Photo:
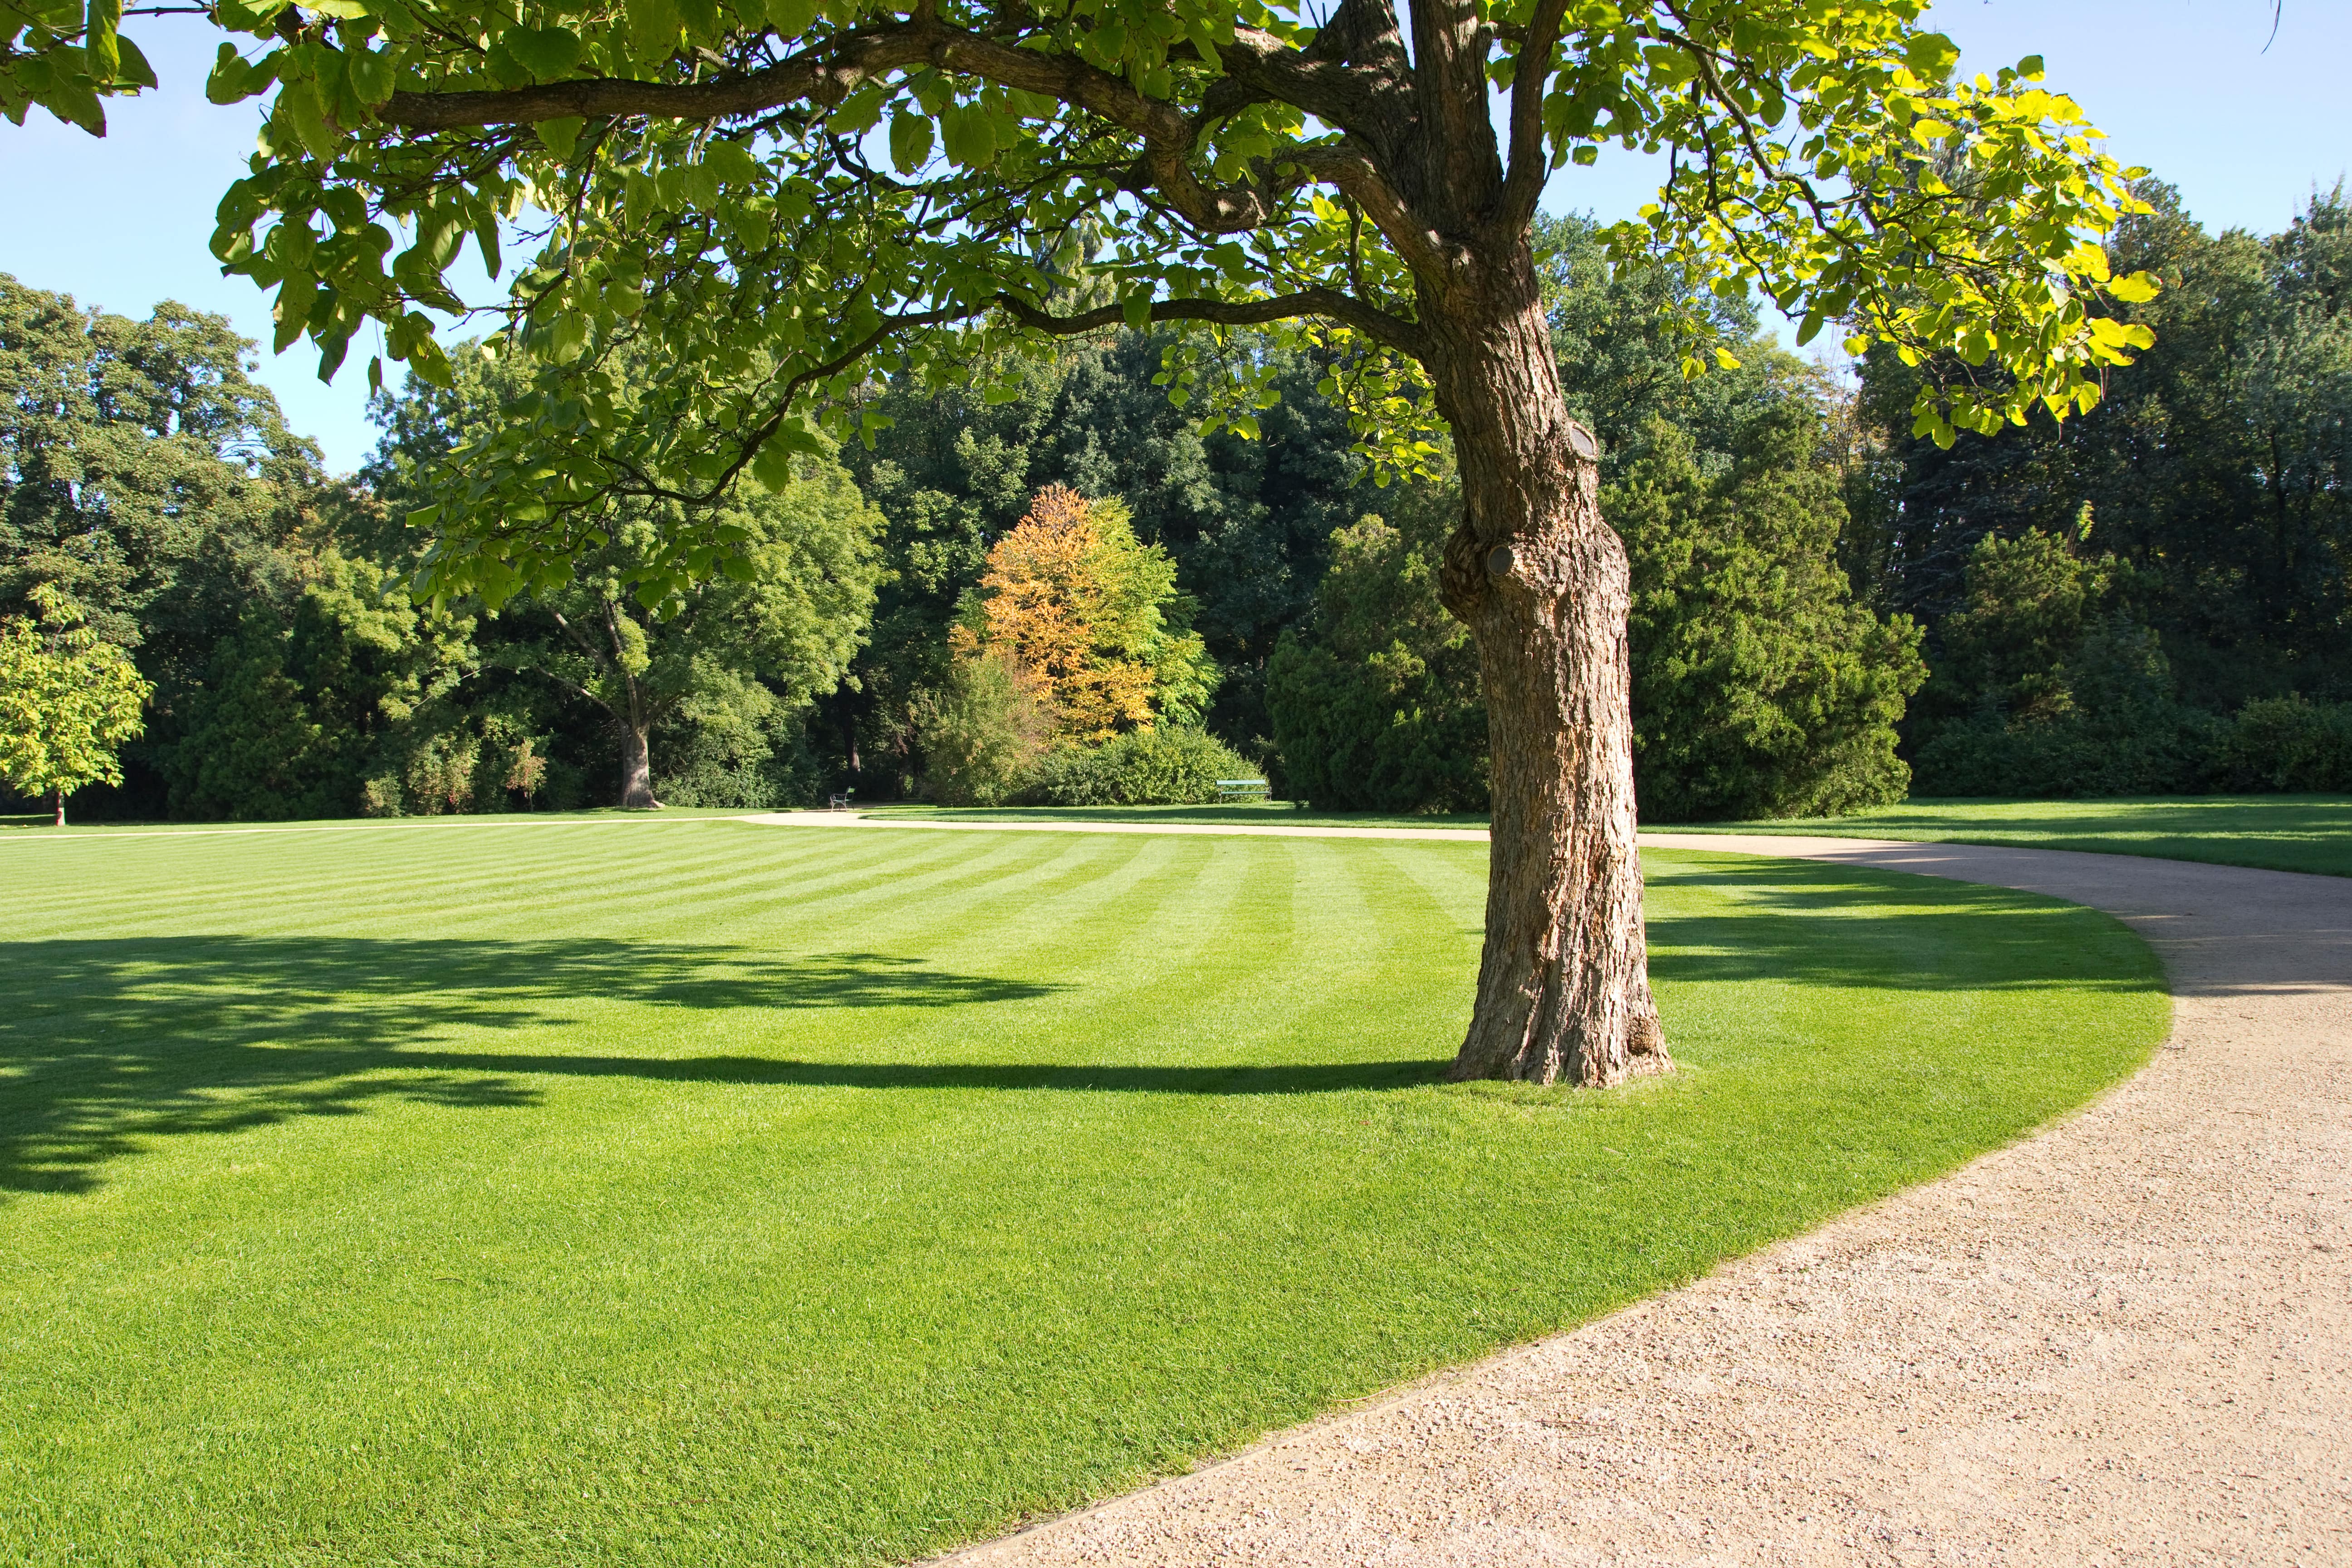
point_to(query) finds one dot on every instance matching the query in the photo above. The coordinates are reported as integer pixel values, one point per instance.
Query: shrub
(2102, 721)
(981, 732)
(1174, 766)
(740, 750)
(2283, 743)
(2155, 751)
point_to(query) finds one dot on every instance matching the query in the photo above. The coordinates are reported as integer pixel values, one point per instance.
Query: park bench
(1241, 789)
(839, 802)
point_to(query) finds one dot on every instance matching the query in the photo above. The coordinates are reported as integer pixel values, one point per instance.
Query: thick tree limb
(1374, 323)
(827, 74)
(1529, 162)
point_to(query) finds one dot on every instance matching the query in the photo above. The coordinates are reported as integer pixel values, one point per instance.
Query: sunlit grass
(701, 1193)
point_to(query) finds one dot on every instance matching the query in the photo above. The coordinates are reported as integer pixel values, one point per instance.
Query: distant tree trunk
(61, 808)
(1544, 585)
(636, 769)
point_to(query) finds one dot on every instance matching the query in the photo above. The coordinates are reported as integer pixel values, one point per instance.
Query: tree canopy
(762, 194)
(67, 701)
(1073, 598)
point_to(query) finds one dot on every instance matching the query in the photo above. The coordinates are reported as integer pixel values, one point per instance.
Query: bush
(1172, 766)
(2150, 750)
(2102, 721)
(755, 761)
(2283, 743)
(982, 733)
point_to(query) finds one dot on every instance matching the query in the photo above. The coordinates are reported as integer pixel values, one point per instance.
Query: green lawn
(1253, 813)
(690, 1192)
(2280, 832)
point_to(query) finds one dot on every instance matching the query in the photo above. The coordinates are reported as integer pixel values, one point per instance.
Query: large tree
(757, 639)
(765, 196)
(67, 701)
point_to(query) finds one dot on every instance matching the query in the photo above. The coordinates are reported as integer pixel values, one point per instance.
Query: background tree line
(2152, 598)
(1829, 610)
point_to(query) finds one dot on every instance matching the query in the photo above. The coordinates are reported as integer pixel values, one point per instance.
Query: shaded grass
(2276, 832)
(717, 1193)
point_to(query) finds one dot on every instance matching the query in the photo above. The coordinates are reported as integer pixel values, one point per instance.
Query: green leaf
(247, 15)
(561, 136)
(102, 19)
(653, 29)
(910, 141)
(792, 17)
(226, 83)
(299, 102)
(550, 54)
(134, 71)
(857, 114)
(772, 466)
(968, 133)
(370, 74)
(1930, 55)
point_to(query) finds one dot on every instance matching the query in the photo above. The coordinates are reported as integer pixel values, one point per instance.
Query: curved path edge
(2125, 1339)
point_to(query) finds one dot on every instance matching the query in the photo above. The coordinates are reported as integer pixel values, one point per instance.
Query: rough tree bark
(61, 808)
(636, 769)
(1543, 584)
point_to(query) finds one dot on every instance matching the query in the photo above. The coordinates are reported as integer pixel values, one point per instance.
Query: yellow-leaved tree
(1075, 600)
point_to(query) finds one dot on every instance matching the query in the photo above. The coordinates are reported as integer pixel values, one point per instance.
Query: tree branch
(1529, 163)
(1353, 173)
(1377, 324)
(827, 74)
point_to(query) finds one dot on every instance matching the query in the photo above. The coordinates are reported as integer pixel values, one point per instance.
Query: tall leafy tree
(1367, 183)
(1377, 709)
(67, 701)
(1074, 598)
(349, 697)
(145, 474)
(1761, 688)
(759, 641)
(755, 641)
(2219, 466)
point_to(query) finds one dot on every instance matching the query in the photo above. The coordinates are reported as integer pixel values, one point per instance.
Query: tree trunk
(61, 808)
(636, 770)
(1543, 584)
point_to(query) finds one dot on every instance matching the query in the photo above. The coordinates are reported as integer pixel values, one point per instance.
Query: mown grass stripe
(740, 1196)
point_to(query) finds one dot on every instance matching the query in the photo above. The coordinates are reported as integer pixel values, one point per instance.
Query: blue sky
(2184, 87)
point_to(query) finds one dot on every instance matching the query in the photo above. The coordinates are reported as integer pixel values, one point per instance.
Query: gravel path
(2125, 1339)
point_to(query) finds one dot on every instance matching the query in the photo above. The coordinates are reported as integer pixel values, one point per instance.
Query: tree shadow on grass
(108, 1046)
(1814, 923)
